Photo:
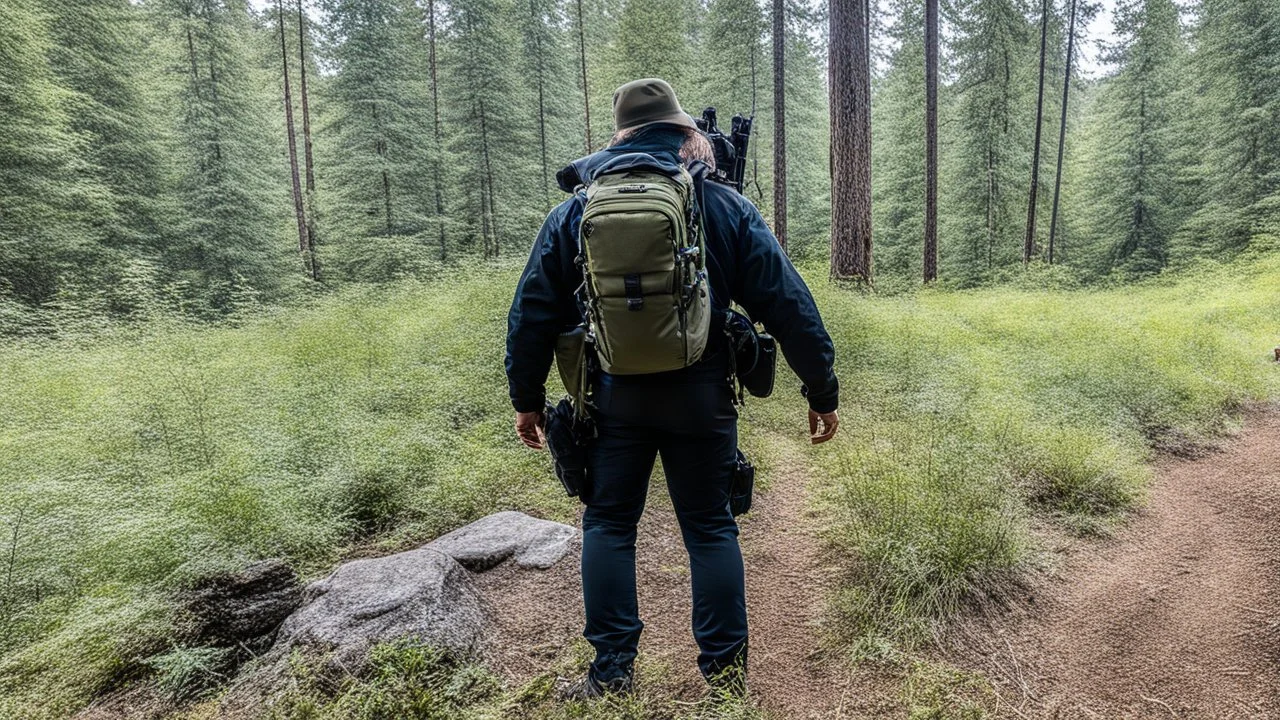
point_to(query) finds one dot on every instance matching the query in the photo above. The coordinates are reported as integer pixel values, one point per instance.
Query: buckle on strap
(635, 297)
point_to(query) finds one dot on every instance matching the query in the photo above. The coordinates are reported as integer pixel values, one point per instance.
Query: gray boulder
(421, 594)
(533, 543)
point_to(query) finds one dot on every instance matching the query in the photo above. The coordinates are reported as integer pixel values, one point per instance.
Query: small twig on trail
(1022, 681)
(1161, 703)
(1253, 610)
(1009, 705)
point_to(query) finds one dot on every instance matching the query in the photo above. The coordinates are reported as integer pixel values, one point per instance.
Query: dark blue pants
(693, 428)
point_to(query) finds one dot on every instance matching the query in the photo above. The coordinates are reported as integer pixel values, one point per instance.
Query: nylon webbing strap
(635, 297)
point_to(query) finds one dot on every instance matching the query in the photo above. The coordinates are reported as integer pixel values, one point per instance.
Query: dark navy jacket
(745, 264)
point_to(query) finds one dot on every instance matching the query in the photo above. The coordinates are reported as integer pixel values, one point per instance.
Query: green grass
(412, 681)
(972, 416)
(135, 462)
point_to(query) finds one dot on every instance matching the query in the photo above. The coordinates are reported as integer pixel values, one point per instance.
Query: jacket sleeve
(773, 293)
(542, 308)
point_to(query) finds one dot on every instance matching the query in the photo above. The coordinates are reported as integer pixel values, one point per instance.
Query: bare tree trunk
(992, 199)
(755, 147)
(850, 141)
(491, 214)
(435, 110)
(1029, 242)
(930, 140)
(582, 57)
(300, 214)
(1062, 130)
(780, 121)
(195, 87)
(312, 259)
(542, 109)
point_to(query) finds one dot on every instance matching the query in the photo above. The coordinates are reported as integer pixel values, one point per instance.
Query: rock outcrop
(422, 594)
(530, 542)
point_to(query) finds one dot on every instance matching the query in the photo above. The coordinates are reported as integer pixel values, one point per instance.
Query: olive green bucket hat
(646, 102)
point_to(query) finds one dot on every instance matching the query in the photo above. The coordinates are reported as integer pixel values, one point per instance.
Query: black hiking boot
(588, 688)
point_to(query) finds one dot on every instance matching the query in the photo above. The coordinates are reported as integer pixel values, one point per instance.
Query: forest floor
(792, 673)
(1174, 616)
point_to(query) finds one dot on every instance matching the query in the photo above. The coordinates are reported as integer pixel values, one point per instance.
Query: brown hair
(696, 146)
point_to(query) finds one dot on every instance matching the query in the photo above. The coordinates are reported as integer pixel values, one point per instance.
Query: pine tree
(850, 78)
(992, 114)
(228, 195)
(1061, 133)
(379, 127)
(492, 139)
(1235, 70)
(900, 157)
(295, 180)
(304, 41)
(653, 41)
(580, 30)
(99, 57)
(550, 87)
(437, 131)
(43, 234)
(1133, 174)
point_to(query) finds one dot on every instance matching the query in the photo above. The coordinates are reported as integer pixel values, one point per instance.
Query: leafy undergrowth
(133, 463)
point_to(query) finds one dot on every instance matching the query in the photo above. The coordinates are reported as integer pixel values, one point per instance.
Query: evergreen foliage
(232, 189)
(376, 129)
(1133, 174)
(46, 196)
(145, 147)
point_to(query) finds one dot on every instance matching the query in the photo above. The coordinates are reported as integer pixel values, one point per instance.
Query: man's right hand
(822, 426)
(529, 428)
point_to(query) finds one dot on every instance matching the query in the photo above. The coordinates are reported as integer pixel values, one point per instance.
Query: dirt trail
(1177, 617)
(536, 614)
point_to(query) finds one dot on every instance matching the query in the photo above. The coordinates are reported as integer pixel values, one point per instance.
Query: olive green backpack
(643, 255)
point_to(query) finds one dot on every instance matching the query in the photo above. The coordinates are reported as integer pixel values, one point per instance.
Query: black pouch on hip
(741, 486)
(568, 436)
(754, 354)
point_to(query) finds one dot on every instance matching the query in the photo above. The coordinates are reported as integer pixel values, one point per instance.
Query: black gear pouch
(568, 436)
(742, 485)
(754, 354)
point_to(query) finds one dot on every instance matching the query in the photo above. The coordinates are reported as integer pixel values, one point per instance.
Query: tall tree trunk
(755, 147)
(312, 260)
(380, 148)
(195, 88)
(488, 210)
(850, 141)
(582, 59)
(300, 214)
(780, 121)
(930, 140)
(542, 109)
(1062, 131)
(435, 112)
(992, 199)
(1029, 242)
